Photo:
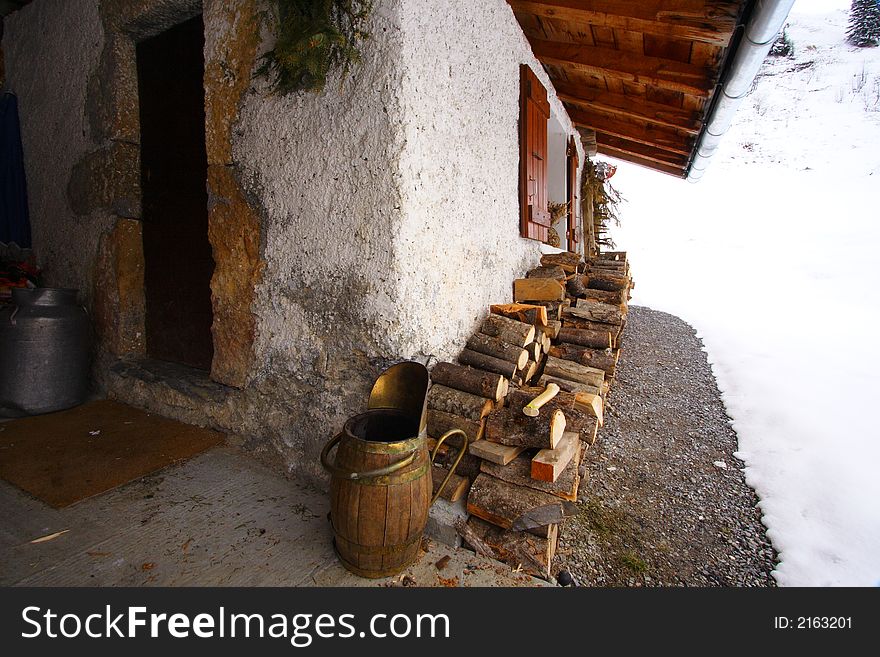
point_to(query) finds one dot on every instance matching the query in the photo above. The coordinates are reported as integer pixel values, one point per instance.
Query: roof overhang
(642, 75)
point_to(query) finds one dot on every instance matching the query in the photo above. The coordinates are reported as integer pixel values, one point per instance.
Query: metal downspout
(764, 25)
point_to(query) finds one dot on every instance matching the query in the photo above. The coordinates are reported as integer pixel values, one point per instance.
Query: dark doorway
(177, 254)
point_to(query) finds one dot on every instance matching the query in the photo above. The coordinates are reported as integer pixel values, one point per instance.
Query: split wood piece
(498, 348)
(601, 359)
(570, 321)
(477, 382)
(439, 423)
(519, 470)
(456, 488)
(534, 350)
(611, 271)
(570, 386)
(610, 282)
(551, 330)
(515, 507)
(495, 452)
(458, 402)
(523, 312)
(488, 363)
(529, 371)
(566, 369)
(509, 426)
(538, 289)
(595, 312)
(555, 272)
(548, 464)
(616, 298)
(554, 308)
(613, 255)
(590, 432)
(585, 337)
(546, 343)
(567, 260)
(508, 330)
(577, 286)
(529, 553)
(546, 531)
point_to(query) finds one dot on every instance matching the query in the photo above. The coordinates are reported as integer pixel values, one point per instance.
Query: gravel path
(665, 502)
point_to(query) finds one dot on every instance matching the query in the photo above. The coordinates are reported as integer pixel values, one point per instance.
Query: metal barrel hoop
(336, 471)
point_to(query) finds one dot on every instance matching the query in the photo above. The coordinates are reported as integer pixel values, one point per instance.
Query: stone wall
(353, 228)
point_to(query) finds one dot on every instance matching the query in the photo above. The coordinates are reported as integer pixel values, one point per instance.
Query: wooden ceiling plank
(652, 135)
(678, 172)
(661, 73)
(691, 20)
(641, 150)
(636, 107)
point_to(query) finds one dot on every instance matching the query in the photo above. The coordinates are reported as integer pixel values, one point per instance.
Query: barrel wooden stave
(378, 525)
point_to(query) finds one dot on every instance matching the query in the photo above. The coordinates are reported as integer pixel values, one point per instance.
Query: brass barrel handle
(461, 453)
(336, 471)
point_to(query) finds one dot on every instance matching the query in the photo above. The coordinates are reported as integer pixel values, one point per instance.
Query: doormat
(65, 457)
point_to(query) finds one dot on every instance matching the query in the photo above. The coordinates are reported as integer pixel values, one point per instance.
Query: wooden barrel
(378, 519)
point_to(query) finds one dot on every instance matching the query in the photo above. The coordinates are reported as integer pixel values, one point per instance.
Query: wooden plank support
(548, 464)
(495, 452)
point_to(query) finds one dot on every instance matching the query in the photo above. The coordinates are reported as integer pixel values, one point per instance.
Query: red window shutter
(572, 192)
(534, 113)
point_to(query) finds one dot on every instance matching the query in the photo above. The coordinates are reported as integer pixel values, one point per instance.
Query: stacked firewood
(529, 391)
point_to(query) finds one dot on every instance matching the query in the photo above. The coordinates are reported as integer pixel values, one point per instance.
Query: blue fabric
(15, 224)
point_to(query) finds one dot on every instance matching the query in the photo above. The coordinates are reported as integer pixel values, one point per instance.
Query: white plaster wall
(557, 165)
(458, 247)
(51, 48)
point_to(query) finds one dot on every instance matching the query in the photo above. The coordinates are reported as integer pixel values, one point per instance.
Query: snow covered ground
(774, 257)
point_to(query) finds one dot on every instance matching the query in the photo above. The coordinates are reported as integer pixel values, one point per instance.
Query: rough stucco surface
(458, 248)
(51, 48)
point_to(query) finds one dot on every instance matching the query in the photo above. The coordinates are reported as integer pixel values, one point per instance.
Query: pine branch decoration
(314, 37)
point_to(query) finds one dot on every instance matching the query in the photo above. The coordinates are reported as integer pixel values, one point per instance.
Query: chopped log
(532, 407)
(557, 273)
(477, 382)
(595, 312)
(602, 281)
(551, 330)
(514, 507)
(456, 488)
(498, 348)
(616, 298)
(458, 402)
(567, 260)
(554, 308)
(570, 386)
(519, 470)
(495, 452)
(523, 312)
(439, 423)
(565, 369)
(613, 255)
(488, 363)
(577, 286)
(585, 337)
(508, 330)
(532, 554)
(546, 343)
(601, 359)
(538, 289)
(509, 426)
(570, 321)
(548, 464)
(529, 371)
(576, 414)
(534, 351)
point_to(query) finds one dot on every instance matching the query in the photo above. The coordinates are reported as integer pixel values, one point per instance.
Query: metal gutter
(761, 30)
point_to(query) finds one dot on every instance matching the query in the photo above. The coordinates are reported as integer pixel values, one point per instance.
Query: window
(534, 113)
